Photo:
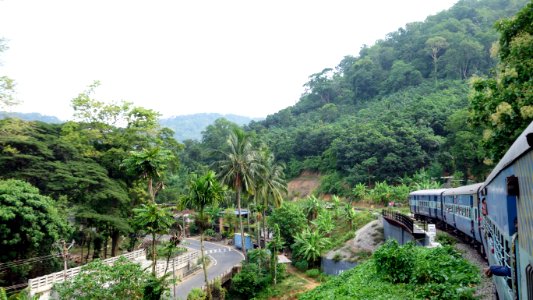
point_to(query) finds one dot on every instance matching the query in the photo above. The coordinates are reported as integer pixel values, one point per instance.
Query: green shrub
(155, 287)
(217, 291)
(313, 273)
(445, 239)
(394, 262)
(210, 232)
(197, 294)
(437, 265)
(193, 229)
(302, 265)
(249, 281)
(438, 273)
(281, 271)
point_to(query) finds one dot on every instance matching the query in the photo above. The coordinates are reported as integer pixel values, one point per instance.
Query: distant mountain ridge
(185, 126)
(30, 117)
(190, 127)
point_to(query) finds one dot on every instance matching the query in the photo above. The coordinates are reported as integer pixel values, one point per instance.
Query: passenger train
(495, 215)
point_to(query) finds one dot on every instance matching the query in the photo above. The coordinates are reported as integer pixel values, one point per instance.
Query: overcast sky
(181, 57)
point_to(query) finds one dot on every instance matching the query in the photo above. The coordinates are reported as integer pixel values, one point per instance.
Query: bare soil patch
(304, 185)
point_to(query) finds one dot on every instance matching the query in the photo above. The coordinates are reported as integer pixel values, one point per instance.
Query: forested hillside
(397, 106)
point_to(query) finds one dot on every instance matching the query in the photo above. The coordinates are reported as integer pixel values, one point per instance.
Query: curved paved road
(222, 258)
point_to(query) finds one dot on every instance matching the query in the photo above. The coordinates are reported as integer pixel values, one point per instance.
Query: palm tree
(239, 170)
(203, 191)
(148, 163)
(310, 245)
(271, 185)
(154, 220)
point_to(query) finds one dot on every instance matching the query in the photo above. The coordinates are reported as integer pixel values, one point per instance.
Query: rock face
(366, 240)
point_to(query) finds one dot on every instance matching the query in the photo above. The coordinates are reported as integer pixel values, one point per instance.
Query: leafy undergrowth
(404, 272)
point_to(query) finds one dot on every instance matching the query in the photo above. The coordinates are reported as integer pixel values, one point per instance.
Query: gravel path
(485, 289)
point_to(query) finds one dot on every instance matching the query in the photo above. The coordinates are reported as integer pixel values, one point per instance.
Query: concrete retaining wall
(400, 235)
(331, 267)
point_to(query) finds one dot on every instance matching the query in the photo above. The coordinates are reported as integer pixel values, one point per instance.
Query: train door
(476, 218)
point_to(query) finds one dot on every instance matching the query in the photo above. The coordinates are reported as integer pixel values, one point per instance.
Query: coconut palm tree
(203, 191)
(239, 170)
(271, 185)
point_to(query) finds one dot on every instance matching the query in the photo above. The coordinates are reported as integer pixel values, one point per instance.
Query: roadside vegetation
(404, 272)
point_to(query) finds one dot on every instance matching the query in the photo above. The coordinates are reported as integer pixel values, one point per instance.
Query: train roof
(464, 190)
(519, 147)
(427, 192)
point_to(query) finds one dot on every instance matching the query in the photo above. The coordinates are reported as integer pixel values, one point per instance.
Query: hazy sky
(181, 57)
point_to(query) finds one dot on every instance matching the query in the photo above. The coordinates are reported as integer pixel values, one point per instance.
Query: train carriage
(426, 203)
(507, 217)
(461, 209)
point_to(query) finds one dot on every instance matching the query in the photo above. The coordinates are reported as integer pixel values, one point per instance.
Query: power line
(31, 260)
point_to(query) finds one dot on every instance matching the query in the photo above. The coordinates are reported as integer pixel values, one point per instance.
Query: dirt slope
(304, 185)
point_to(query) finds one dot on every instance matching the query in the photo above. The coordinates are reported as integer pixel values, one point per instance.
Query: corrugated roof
(464, 190)
(282, 259)
(427, 192)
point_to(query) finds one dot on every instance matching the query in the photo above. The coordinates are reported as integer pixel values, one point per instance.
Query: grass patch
(284, 290)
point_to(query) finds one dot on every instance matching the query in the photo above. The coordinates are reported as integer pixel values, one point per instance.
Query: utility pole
(173, 278)
(63, 248)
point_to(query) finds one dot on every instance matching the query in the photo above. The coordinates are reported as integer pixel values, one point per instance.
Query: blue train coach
(461, 210)
(507, 218)
(426, 204)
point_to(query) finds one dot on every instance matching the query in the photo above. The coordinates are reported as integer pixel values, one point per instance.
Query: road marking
(220, 250)
(214, 260)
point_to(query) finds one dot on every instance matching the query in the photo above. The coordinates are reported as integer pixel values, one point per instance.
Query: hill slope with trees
(398, 106)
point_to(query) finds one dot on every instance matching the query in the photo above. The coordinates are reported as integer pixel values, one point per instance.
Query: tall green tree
(290, 219)
(271, 185)
(436, 46)
(153, 219)
(239, 170)
(29, 224)
(503, 104)
(148, 164)
(274, 246)
(204, 191)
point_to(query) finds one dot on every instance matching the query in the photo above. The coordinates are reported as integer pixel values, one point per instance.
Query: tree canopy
(503, 104)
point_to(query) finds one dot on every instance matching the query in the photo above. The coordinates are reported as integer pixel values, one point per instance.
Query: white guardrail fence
(45, 283)
(176, 263)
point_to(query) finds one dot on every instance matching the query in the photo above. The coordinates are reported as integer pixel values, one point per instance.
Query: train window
(529, 280)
